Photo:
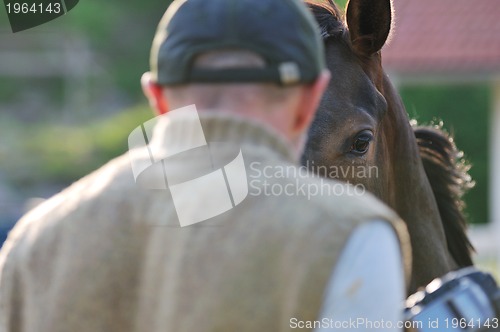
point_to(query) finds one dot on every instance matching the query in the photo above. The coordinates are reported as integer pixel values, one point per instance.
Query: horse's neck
(414, 200)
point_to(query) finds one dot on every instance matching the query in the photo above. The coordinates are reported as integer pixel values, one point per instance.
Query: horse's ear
(369, 23)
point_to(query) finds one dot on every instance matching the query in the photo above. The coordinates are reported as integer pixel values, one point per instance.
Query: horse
(362, 123)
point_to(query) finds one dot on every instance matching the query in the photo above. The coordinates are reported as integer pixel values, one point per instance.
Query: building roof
(444, 37)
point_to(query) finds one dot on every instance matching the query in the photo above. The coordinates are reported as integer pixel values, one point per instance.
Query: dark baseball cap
(282, 32)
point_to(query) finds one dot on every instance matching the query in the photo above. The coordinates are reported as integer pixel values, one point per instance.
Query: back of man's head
(240, 97)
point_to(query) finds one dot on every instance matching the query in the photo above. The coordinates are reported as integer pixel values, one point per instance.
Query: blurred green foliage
(122, 32)
(60, 154)
(341, 3)
(465, 111)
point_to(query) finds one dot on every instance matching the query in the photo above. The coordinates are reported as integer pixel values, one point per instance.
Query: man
(109, 255)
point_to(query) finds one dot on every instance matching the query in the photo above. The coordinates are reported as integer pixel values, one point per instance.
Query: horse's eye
(362, 143)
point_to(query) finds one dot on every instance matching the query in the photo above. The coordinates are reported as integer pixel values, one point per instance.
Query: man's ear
(154, 94)
(311, 97)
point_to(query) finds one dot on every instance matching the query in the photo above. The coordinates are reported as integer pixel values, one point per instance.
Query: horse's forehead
(350, 87)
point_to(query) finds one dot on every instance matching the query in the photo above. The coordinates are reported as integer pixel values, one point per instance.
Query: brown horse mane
(448, 175)
(329, 18)
(443, 163)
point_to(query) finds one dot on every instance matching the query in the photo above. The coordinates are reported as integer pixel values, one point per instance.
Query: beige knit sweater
(106, 255)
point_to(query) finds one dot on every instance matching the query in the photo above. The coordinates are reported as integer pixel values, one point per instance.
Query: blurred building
(450, 41)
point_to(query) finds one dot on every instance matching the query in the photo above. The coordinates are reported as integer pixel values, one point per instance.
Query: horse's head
(362, 134)
(348, 131)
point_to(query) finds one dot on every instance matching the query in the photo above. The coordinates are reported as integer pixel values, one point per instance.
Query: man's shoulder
(109, 182)
(79, 205)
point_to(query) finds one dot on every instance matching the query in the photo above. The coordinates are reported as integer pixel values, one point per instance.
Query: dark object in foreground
(464, 300)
